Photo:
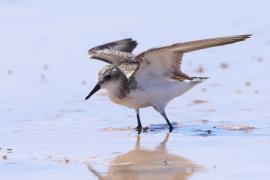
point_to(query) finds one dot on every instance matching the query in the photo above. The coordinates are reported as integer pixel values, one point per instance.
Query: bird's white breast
(157, 93)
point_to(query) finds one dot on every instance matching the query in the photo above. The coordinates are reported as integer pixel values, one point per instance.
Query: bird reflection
(140, 164)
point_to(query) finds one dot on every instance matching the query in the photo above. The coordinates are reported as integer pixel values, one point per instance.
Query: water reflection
(148, 164)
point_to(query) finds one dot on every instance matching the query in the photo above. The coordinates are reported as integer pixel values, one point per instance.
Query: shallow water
(156, 163)
(48, 130)
(74, 146)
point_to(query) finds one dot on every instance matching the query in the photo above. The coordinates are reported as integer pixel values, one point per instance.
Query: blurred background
(44, 44)
(45, 74)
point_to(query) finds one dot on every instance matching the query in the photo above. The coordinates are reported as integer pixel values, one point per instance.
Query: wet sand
(154, 163)
(66, 147)
(48, 130)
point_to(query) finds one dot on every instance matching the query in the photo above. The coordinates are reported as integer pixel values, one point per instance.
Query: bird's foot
(139, 129)
(170, 128)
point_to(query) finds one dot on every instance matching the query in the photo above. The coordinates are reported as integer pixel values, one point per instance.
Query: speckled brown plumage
(119, 54)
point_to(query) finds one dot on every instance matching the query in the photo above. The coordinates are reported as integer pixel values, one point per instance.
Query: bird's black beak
(96, 88)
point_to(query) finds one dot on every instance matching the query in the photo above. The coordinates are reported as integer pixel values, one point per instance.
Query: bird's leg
(138, 143)
(139, 127)
(97, 174)
(161, 110)
(167, 120)
(162, 145)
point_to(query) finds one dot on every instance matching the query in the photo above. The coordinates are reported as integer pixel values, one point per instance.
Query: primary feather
(164, 61)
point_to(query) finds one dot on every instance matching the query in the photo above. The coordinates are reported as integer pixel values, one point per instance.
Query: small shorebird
(152, 78)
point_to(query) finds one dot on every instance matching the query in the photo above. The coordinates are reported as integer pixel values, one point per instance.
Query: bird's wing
(166, 61)
(110, 52)
(126, 45)
(128, 68)
(117, 53)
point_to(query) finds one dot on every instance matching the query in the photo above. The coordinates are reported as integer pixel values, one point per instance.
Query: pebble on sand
(199, 101)
(224, 65)
(199, 70)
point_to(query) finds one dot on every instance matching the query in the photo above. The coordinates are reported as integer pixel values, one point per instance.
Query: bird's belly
(160, 93)
(143, 98)
(146, 98)
(132, 101)
(152, 95)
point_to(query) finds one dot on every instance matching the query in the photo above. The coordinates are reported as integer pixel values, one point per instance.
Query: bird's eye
(107, 77)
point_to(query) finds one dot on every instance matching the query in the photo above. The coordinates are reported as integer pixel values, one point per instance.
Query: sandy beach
(48, 131)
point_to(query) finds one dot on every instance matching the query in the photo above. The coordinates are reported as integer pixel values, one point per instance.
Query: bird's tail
(198, 80)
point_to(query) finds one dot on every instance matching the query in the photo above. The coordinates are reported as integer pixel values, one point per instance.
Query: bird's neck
(117, 89)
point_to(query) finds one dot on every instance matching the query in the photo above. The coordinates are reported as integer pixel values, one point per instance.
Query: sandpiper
(152, 78)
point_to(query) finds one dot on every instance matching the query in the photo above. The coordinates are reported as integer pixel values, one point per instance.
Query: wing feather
(117, 53)
(166, 61)
(126, 45)
(207, 43)
(109, 51)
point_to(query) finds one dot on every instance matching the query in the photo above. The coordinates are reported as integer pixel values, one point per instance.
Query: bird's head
(109, 78)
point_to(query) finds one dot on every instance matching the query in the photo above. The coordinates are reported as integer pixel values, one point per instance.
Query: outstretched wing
(111, 52)
(117, 53)
(126, 45)
(166, 61)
